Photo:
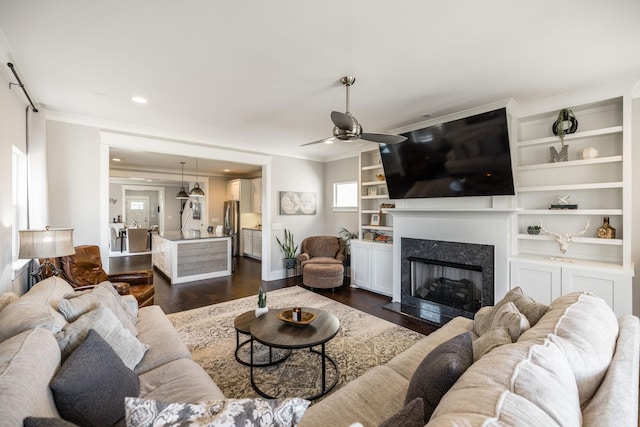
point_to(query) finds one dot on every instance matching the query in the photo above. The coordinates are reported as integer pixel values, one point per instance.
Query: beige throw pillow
(504, 316)
(72, 306)
(105, 323)
(490, 340)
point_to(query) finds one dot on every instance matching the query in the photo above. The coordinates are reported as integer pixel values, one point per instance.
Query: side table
(242, 325)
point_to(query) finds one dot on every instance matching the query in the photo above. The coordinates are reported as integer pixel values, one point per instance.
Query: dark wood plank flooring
(245, 282)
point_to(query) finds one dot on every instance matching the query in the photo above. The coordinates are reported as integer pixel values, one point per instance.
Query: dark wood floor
(245, 282)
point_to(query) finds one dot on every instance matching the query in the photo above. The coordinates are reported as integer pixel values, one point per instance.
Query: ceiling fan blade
(383, 138)
(325, 140)
(343, 121)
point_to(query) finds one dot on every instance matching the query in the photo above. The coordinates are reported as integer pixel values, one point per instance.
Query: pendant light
(182, 194)
(196, 191)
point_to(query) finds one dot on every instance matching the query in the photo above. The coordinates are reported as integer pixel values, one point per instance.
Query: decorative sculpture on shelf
(565, 124)
(563, 239)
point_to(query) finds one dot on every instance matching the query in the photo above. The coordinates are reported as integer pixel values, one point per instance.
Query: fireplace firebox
(441, 280)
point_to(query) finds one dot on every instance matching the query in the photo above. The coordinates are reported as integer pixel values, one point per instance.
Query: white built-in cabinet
(600, 186)
(372, 261)
(372, 266)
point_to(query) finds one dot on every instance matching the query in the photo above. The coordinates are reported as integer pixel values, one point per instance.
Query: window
(345, 196)
(18, 198)
(136, 206)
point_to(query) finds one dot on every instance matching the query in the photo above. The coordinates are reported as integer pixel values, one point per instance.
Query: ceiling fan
(347, 127)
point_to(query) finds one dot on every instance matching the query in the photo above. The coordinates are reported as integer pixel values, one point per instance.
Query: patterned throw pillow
(230, 412)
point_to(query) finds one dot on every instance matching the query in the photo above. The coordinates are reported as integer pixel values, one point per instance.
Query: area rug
(363, 342)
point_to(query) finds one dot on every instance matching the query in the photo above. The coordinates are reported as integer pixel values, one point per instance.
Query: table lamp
(46, 244)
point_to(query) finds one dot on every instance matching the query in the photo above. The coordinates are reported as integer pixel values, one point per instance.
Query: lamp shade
(48, 243)
(182, 194)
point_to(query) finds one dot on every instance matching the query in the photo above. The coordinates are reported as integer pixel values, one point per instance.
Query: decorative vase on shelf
(262, 303)
(606, 231)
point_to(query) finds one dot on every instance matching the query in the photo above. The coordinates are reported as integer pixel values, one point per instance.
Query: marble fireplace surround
(483, 226)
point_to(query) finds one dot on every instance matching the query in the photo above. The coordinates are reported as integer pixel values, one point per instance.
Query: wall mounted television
(464, 157)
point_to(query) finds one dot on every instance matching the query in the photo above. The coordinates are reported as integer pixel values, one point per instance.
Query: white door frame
(161, 199)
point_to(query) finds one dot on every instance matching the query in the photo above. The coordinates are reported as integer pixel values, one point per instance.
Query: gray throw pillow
(412, 415)
(46, 422)
(91, 385)
(439, 370)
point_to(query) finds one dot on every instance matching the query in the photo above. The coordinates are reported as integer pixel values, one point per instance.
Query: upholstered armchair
(84, 268)
(138, 239)
(322, 261)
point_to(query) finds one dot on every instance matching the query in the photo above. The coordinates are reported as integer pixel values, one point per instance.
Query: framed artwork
(298, 203)
(373, 191)
(375, 219)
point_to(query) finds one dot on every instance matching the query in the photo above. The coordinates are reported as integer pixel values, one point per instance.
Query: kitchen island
(191, 255)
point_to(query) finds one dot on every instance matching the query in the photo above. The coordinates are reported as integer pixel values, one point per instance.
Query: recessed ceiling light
(136, 179)
(329, 141)
(115, 159)
(139, 100)
(227, 170)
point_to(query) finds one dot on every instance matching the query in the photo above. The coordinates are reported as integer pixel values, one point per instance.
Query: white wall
(339, 171)
(73, 156)
(635, 202)
(12, 132)
(290, 174)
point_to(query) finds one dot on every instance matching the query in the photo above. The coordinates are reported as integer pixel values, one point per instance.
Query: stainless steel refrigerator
(232, 224)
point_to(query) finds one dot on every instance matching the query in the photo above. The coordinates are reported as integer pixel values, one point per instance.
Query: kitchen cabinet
(256, 195)
(252, 243)
(240, 189)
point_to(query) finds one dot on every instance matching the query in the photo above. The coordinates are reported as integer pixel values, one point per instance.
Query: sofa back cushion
(28, 361)
(525, 384)
(35, 309)
(585, 328)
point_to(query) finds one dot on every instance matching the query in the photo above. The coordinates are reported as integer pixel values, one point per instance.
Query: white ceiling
(263, 76)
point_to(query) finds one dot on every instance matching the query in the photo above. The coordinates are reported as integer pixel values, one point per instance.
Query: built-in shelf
(565, 187)
(370, 183)
(372, 167)
(377, 227)
(589, 240)
(378, 196)
(603, 212)
(577, 135)
(584, 162)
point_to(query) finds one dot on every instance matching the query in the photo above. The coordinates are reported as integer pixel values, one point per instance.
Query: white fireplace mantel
(488, 226)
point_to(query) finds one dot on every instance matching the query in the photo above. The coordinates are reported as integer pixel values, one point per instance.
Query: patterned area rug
(363, 341)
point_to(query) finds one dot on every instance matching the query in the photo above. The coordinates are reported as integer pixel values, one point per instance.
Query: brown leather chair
(84, 268)
(322, 261)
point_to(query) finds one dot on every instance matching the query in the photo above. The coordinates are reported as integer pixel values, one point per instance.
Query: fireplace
(441, 280)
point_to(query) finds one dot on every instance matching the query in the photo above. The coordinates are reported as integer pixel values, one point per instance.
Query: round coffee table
(241, 325)
(269, 330)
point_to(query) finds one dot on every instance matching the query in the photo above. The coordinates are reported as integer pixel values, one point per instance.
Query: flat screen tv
(465, 157)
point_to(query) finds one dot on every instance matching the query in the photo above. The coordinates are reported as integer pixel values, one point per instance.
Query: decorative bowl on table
(287, 316)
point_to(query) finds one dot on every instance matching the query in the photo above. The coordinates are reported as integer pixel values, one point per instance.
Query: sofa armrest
(143, 277)
(303, 257)
(616, 400)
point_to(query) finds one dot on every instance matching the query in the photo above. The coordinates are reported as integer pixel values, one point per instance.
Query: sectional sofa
(520, 363)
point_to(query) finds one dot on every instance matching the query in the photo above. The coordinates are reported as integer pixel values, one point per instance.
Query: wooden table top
(269, 330)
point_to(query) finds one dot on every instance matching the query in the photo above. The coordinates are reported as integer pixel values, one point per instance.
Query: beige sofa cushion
(494, 338)
(369, 399)
(516, 384)
(156, 331)
(35, 309)
(28, 361)
(7, 298)
(585, 328)
(505, 316)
